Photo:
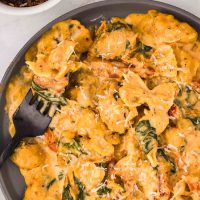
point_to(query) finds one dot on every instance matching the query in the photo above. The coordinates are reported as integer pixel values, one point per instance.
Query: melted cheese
(129, 125)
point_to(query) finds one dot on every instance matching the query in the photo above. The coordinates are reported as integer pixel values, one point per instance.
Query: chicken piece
(66, 30)
(43, 183)
(105, 69)
(187, 64)
(89, 174)
(164, 62)
(55, 85)
(163, 179)
(82, 87)
(188, 187)
(190, 156)
(157, 28)
(133, 93)
(175, 137)
(29, 156)
(55, 65)
(140, 174)
(114, 42)
(112, 110)
(74, 118)
(101, 146)
(83, 122)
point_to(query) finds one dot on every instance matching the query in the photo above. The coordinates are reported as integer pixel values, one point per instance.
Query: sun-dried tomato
(172, 111)
(51, 140)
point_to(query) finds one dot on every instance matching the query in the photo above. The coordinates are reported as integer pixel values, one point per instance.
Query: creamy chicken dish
(124, 97)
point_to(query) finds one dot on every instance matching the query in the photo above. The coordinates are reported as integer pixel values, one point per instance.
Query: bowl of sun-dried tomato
(25, 7)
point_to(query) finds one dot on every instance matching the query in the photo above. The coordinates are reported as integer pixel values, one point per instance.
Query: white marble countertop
(15, 31)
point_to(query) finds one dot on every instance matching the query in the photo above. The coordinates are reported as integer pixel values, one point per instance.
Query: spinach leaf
(127, 44)
(177, 102)
(162, 153)
(103, 190)
(146, 135)
(93, 30)
(143, 49)
(143, 126)
(81, 188)
(71, 26)
(75, 145)
(186, 97)
(118, 25)
(120, 84)
(196, 122)
(60, 175)
(105, 167)
(172, 166)
(191, 98)
(44, 93)
(66, 193)
(50, 183)
(116, 95)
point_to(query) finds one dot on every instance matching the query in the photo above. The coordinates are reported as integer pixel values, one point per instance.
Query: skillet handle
(9, 149)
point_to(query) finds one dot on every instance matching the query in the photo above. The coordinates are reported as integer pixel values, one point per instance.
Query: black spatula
(28, 121)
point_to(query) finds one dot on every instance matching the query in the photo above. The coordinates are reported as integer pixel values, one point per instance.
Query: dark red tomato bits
(172, 111)
(23, 3)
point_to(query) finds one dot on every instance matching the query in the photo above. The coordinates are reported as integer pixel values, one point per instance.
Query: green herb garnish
(192, 97)
(44, 93)
(177, 102)
(103, 190)
(50, 183)
(120, 84)
(186, 97)
(147, 135)
(105, 167)
(66, 193)
(81, 188)
(143, 49)
(71, 26)
(195, 121)
(162, 153)
(116, 95)
(127, 44)
(75, 145)
(60, 175)
(102, 165)
(118, 25)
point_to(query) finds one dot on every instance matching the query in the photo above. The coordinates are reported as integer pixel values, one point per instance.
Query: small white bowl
(6, 9)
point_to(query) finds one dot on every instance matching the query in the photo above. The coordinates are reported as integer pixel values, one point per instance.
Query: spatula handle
(9, 150)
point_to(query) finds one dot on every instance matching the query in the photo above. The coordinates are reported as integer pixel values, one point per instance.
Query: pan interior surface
(12, 182)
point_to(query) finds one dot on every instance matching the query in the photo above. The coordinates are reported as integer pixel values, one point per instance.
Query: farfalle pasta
(125, 109)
